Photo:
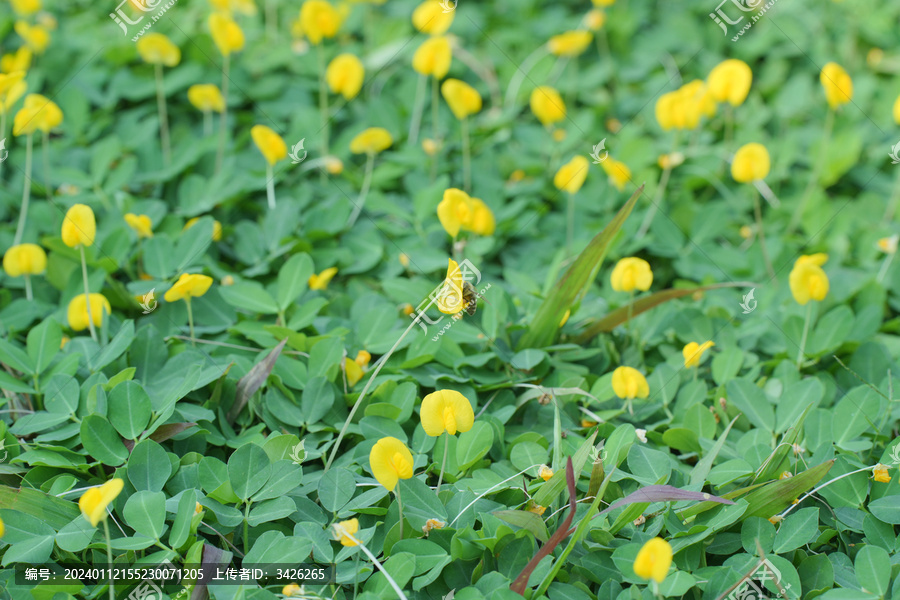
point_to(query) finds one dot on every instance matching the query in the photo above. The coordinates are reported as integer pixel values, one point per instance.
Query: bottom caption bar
(170, 574)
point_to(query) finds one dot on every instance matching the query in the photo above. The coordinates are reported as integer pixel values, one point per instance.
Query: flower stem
(223, 119)
(27, 286)
(112, 589)
(467, 156)
(817, 169)
(895, 198)
(399, 507)
(884, 266)
(270, 186)
(207, 122)
(271, 18)
(729, 126)
(26, 191)
(364, 191)
(45, 155)
(418, 106)
(163, 116)
(187, 300)
(805, 333)
(437, 490)
(757, 214)
(381, 363)
(570, 225)
(246, 519)
(87, 293)
(323, 103)
(377, 564)
(435, 114)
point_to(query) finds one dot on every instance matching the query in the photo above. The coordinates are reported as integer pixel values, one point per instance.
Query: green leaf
(129, 409)
(145, 512)
(726, 364)
(271, 510)
(76, 536)
(250, 296)
(43, 343)
(526, 520)
(753, 402)
(336, 489)
(317, 399)
(149, 467)
(886, 509)
(101, 441)
(400, 567)
(181, 526)
(192, 243)
(757, 529)
(474, 444)
(420, 503)
(545, 322)
(797, 530)
(248, 470)
(873, 569)
(116, 346)
(273, 547)
(293, 278)
(15, 357)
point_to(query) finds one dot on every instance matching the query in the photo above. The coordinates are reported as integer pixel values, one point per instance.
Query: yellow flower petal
(390, 461)
(446, 410)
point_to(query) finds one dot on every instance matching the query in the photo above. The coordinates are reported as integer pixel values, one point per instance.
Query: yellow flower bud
(464, 100)
(653, 560)
(628, 383)
(693, 353)
(269, 143)
(429, 17)
(77, 314)
(206, 97)
(559, 135)
(345, 75)
(547, 105)
(24, 259)
(320, 281)
(362, 358)
(334, 165)
(228, 280)
(157, 49)
(570, 43)
(631, 274)
(141, 224)
(808, 280)
(433, 57)
(344, 530)
(94, 501)
(79, 226)
(371, 141)
(570, 177)
(751, 163)
(353, 370)
(189, 285)
(227, 35)
(729, 81)
(291, 590)
(837, 84)
(319, 20)
(18, 61)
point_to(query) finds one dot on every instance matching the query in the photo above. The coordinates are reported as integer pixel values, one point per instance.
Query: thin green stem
(437, 490)
(418, 106)
(435, 114)
(270, 186)
(399, 507)
(223, 118)
(187, 301)
(570, 224)
(87, 293)
(757, 214)
(895, 199)
(109, 560)
(271, 18)
(729, 125)
(364, 191)
(467, 156)
(885, 266)
(26, 191)
(45, 155)
(163, 116)
(805, 333)
(817, 170)
(27, 286)
(323, 101)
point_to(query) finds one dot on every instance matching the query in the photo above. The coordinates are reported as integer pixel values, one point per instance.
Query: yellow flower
(482, 221)
(429, 17)
(433, 524)
(594, 19)
(390, 461)
(246, 7)
(227, 35)
(571, 175)
(291, 590)
(217, 228)
(373, 140)
(653, 560)
(603, 2)
(631, 274)
(693, 353)
(353, 370)
(665, 110)
(670, 161)
(547, 105)
(157, 49)
(269, 143)
(450, 299)
(206, 97)
(700, 99)
(319, 19)
(9, 81)
(464, 100)
(433, 57)
(808, 280)
(36, 37)
(570, 43)
(47, 114)
(228, 280)
(446, 410)
(20, 61)
(362, 358)
(545, 472)
(189, 285)
(881, 473)
(345, 75)
(729, 81)
(455, 211)
(141, 224)
(751, 163)
(198, 508)
(628, 383)
(77, 311)
(588, 423)
(619, 174)
(25, 8)
(94, 501)
(407, 309)
(79, 226)
(535, 508)
(2, 528)
(344, 530)
(333, 165)
(25, 259)
(837, 83)
(888, 245)
(320, 281)
(897, 110)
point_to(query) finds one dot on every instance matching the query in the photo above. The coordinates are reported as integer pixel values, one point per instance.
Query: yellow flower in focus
(547, 105)
(653, 560)
(189, 285)
(545, 472)
(25, 8)
(47, 114)
(77, 314)
(319, 20)
(371, 141)
(464, 100)
(618, 172)
(94, 501)
(482, 221)
(79, 226)
(320, 281)
(808, 280)
(628, 383)
(429, 17)
(344, 530)
(269, 143)
(390, 461)
(353, 370)
(881, 473)
(157, 49)
(594, 19)
(570, 43)
(450, 299)
(36, 37)
(751, 163)
(455, 211)
(570, 177)
(206, 97)
(729, 81)
(344, 75)
(227, 35)
(141, 224)
(888, 245)
(433, 57)
(217, 228)
(693, 353)
(291, 590)
(446, 410)
(20, 61)
(24, 259)
(837, 83)
(631, 274)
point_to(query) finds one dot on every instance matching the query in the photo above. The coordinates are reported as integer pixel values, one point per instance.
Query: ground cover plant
(474, 300)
